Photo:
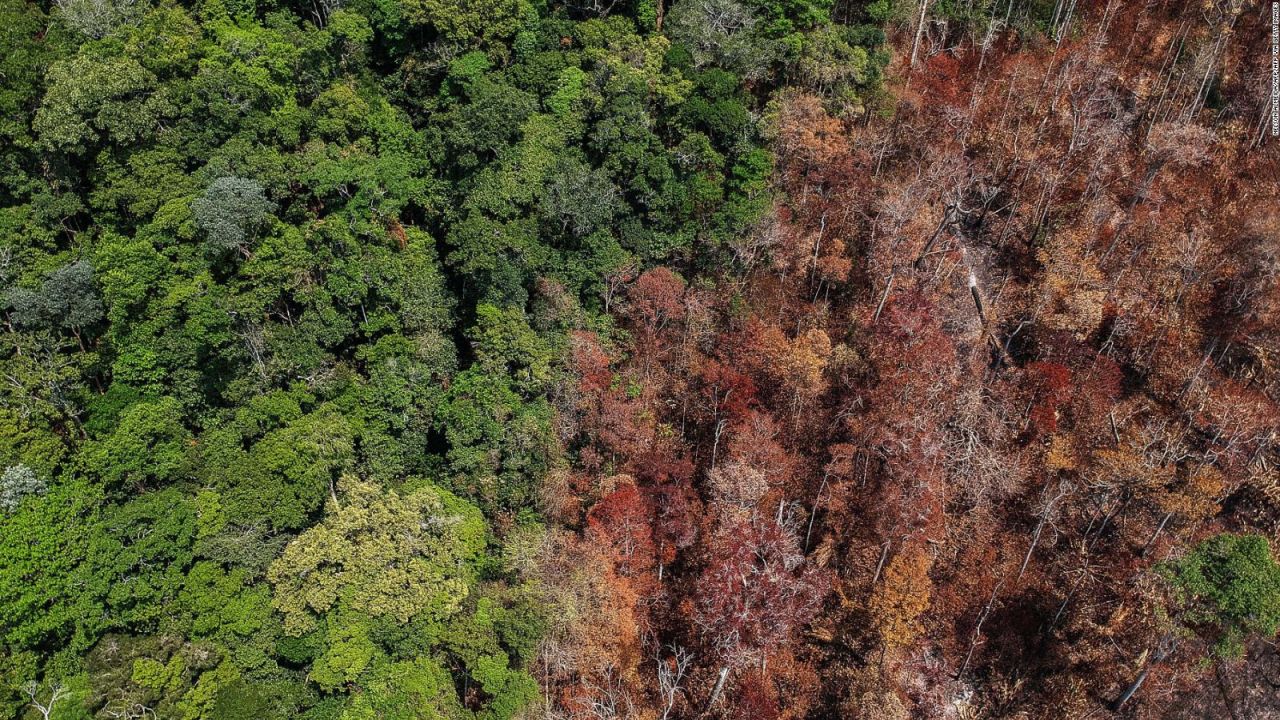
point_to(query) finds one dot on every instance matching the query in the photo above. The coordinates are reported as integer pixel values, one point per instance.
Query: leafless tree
(609, 700)
(32, 691)
(671, 673)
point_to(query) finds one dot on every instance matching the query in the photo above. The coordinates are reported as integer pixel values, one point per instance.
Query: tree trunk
(1137, 684)
(1146, 548)
(883, 555)
(817, 499)
(1035, 537)
(715, 446)
(1163, 649)
(880, 307)
(928, 247)
(977, 628)
(717, 690)
(915, 46)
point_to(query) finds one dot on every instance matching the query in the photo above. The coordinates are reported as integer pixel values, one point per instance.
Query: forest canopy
(637, 359)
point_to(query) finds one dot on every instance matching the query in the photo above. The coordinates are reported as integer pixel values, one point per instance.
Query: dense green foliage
(265, 267)
(1229, 585)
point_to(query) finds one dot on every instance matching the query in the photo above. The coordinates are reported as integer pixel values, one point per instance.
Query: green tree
(44, 541)
(98, 18)
(91, 98)
(500, 444)
(402, 554)
(148, 446)
(17, 483)
(472, 23)
(1228, 588)
(720, 32)
(68, 298)
(416, 689)
(579, 199)
(506, 346)
(230, 211)
(137, 557)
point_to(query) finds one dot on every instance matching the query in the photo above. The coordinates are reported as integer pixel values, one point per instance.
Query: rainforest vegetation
(638, 360)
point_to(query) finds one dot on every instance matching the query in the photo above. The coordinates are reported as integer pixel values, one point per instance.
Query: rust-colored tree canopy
(1002, 352)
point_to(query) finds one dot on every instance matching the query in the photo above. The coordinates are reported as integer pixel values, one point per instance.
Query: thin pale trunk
(1063, 607)
(1146, 548)
(946, 220)
(1134, 688)
(1060, 30)
(715, 445)
(915, 46)
(1162, 652)
(814, 512)
(977, 628)
(884, 297)
(817, 248)
(1035, 537)
(883, 555)
(717, 690)
(546, 679)
(991, 31)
